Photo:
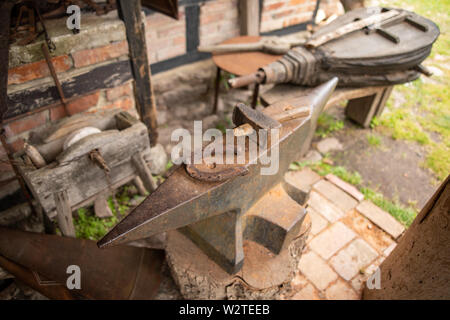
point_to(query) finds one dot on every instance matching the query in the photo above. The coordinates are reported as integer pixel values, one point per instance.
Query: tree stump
(264, 275)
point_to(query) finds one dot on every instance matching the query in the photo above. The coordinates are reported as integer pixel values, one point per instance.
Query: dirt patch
(393, 167)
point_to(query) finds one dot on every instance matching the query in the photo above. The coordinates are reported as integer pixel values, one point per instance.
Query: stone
(326, 208)
(87, 57)
(318, 222)
(381, 218)
(351, 190)
(312, 157)
(156, 159)
(341, 291)
(330, 241)
(303, 179)
(353, 259)
(329, 144)
(376, 237)
(316, 270)
(299, 281)
(210, 121)
(340, 198)
(389, 249)
(306, 293)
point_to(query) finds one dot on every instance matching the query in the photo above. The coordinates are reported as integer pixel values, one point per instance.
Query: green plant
(88, 226)
(327, 124)
(373, 140)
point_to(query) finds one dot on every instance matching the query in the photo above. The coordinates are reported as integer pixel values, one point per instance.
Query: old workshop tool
(218, 214)
(365, 47)
(42, 261)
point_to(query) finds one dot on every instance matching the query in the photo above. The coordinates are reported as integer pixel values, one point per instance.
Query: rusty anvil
(220, 208)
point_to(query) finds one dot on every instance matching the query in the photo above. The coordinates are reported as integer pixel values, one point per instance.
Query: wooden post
(144, 172)
(64, 214)
(249, 17)
(362, 110)
(418, 268)
(5, 14)
(130, 11)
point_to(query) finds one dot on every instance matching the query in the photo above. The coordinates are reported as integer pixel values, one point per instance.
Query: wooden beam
(64, 214)
(249, 17)
(130, 11)
(104, 77)
(5, 16)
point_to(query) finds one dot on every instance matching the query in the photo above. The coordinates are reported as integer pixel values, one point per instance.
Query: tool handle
(257, 77)
(232, 47)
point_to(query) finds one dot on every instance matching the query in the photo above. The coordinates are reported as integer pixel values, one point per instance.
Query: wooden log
(263, 275)
(64, 214)
(249, 17)
(34, 155)
(144, 172)
(418, 268)
(103, 77)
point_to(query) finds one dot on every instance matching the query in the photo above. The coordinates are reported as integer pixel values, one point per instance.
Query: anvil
(218, 215)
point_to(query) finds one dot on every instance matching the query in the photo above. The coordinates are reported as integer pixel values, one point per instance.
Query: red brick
(17, 144)
(273, 6)
(296, 2)
(27, 123)
(117, 92)
(91, 56)
(75, 106)
(124, 104)
(37, 70)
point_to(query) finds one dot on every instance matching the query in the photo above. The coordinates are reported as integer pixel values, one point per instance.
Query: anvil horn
(42, 262)
(182, 200)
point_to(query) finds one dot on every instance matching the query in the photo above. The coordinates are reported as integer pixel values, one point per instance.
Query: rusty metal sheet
(124, 272)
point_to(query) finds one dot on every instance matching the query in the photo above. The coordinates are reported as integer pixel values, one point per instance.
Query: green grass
(423, 116)
(403, 214)
(327, 124)
(374, 140)
(88, 226)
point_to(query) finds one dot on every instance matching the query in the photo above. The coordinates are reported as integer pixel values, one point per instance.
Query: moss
(373, 140)
(327, 124)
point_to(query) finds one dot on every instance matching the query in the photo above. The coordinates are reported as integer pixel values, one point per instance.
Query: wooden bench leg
(216, 91)
(144, 172)
(362, 110)
(64, 214)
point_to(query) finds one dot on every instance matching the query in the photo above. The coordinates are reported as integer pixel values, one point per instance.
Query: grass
(423, 116)
(327, 124)
(88, 226)
(403, 214)
(373, 139)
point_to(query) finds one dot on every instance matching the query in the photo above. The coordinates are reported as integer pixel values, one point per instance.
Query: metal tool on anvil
(41, 261)
(219, 214)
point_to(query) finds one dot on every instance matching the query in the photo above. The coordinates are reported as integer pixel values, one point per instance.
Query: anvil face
(220, 215)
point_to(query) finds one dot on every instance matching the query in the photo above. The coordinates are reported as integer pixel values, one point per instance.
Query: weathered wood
(249, 17)
(418, 268)
(80, 177)
(144, 172)
(5, 18)
(64, 214)
(34, 155)
(354, 26)
(130, 11)
(263, 275)
(362, 110)
(139, 186)
(103, 77)
(101, 207)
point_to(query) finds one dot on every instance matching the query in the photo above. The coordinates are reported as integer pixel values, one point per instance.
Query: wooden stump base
(264, 275)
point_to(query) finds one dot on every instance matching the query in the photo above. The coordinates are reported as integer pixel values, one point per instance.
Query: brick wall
(102, 42)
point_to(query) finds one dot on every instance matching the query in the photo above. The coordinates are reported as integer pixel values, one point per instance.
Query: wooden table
(240, 64)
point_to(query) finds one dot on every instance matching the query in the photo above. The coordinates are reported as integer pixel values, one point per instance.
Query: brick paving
(349, 238)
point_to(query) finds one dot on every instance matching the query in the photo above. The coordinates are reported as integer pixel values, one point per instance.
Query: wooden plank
(5, 17)
(103, 77)
(81, 178)
(144, 172)
(249, 17)
(130, 12)
(64, 214)
(362, 110)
